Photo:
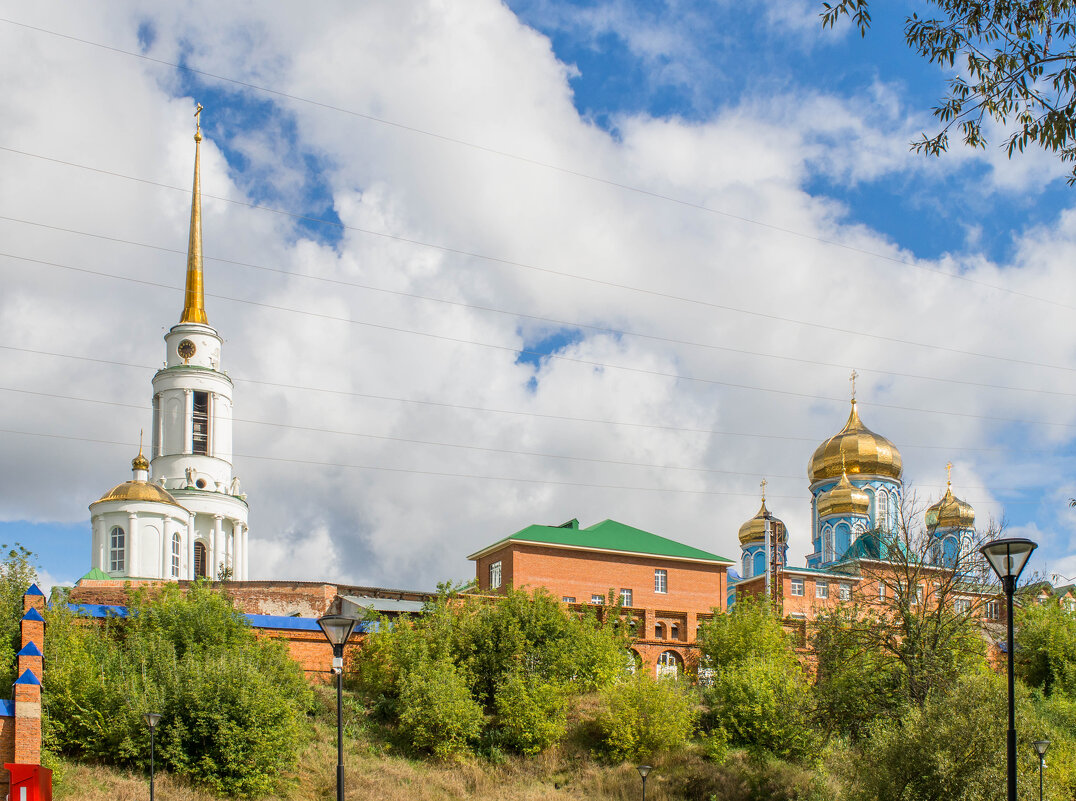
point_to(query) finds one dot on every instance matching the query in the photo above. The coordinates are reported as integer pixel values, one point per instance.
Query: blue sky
(463, 183)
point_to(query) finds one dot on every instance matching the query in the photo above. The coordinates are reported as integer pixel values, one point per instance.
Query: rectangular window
(797, 587)
(495, 575)
(175, 555)
(821, 589)
(625, 597)
(962, 606)
(993, 610)
(845, 591)
(597, 600)
(661, 581)
(115, 561)
(200, 423)
(568, 599)
(881, 591)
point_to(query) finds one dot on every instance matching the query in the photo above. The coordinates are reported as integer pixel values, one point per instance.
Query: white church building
(182, 515)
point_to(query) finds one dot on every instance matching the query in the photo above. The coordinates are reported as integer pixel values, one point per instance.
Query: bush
(642, 717)
(437, 711)
(232, 705)
(532, 711)
(763, 705)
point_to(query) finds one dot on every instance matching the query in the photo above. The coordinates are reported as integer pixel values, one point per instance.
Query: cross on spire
(762, 484)
(198, 119)
(852, 378)
(949, 474)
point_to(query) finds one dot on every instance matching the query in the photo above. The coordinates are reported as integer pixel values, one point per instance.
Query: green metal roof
(608, 535)
(96, 574)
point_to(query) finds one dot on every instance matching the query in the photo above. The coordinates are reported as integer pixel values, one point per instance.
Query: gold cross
(197, 118)
(949, 473)
(763, 486)
(853, 380)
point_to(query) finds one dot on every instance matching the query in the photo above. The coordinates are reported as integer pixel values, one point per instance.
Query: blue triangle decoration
(34, 590)
(33, 614)
(28, 677)
(30, 650)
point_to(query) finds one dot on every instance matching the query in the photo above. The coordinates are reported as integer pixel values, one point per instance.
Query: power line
(537, 318)
(539, 163)
(441, 474)
(522, 351)
(515, 412)
(597, 281)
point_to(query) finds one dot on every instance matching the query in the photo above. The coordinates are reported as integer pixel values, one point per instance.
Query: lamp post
(1040, 749)
(1007, 557)
(337, 630)
(152, 719)
(643, 771)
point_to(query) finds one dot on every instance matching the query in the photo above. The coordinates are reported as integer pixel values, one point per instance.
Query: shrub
(232, 705)
(763, 705)
(642, 717)
(437, 711)
(531, 711)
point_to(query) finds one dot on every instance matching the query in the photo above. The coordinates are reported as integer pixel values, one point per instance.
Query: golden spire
(853, 378)
(194, 296)
(140, 462)
(949, 474)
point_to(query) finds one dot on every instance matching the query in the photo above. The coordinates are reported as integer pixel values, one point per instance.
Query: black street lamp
(152, 719)
(643, 771)
(337, 630)
(1008, 557)
(1040, 749)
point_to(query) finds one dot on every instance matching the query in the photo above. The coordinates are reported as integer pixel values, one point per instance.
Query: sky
(480, 265)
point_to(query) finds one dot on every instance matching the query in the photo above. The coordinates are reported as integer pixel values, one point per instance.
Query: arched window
(842, 539)
(175, 554)
(827, 544)
(117, 550)
(200, 561)
(669, 663)
(747, 565)
(872, 510)
(659, 631)
(760, 563)
(674, 632)
(881, 507)
(950, 550)
(892, 511)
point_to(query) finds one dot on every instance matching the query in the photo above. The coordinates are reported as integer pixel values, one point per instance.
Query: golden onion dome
(855, 449)
(754, 530)
(950, 512)
(138, 491)
(140, 462)
(844, 499)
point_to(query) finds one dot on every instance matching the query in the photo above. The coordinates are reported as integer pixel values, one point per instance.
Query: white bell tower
(192, 425)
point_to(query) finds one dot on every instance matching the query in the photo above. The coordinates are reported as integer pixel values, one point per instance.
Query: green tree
(1013, 62)
(1045, 656)
(642, 717)
(532, 711)
(232, 705)
(437, 711)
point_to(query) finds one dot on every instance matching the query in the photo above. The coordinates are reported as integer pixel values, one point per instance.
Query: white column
(188, 421)
(100, 537)
(132, 544)
(190, 548)
(218, 543)
(166, 549)
(246, 554)
(237, 539)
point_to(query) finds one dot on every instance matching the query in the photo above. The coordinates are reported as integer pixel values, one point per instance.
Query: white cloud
(338, 504)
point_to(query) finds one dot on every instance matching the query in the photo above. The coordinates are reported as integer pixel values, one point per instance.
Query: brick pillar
(33, 599)
(30, 658)
(27, 719)
(33, 629)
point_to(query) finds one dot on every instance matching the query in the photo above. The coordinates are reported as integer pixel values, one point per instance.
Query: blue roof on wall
(34, 590)
(30, 649)
(279, 622)
(27, 677)
(98, 610)
(33, 614)
(7, 708)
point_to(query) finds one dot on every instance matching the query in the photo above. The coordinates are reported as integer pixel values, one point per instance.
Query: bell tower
(191, 437)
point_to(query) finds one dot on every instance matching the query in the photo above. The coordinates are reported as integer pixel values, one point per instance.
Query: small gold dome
(950, 512)
(754, 530)
(138, 491)
(140, 462)
(844, 499)
(857, 449)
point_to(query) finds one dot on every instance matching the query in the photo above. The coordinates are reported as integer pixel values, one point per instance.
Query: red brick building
(667, 587)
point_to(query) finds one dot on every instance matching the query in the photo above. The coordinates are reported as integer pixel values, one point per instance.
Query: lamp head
(643, 770)
(337, 628)
(1040, 747)
(1008, 556)
(152, 719)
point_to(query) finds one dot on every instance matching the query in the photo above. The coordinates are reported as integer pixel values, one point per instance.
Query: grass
(375, 767)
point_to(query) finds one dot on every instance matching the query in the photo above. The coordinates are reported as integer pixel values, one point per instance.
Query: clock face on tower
(186, 349)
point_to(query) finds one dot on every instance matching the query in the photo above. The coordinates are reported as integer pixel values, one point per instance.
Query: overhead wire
(535, 162)
(618, 332)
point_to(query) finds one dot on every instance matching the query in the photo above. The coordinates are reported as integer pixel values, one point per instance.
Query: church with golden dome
(856, 484)
(182, 515)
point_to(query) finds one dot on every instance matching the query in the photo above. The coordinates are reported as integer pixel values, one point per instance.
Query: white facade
(183, 515)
